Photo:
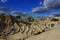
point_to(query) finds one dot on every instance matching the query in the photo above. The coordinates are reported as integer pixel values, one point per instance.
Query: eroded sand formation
(14, 28)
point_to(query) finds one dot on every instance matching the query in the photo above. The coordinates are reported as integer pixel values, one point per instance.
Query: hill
(17, 28)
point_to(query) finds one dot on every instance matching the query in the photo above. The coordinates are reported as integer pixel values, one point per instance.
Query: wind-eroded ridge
(16, 28)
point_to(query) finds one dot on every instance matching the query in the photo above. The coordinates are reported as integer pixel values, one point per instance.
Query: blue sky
(32, 6)
(21, 5)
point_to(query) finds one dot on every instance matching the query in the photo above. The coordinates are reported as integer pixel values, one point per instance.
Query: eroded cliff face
(15, 28)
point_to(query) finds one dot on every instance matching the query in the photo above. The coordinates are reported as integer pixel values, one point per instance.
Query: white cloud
(40, 3)
(18, 13)
(47, 6)
(39, 10)
(52, 4)
(56, 14)
(5, 9)
(3, 1)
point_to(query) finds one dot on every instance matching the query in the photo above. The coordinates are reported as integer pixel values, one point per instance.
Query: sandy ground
(49, 35)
